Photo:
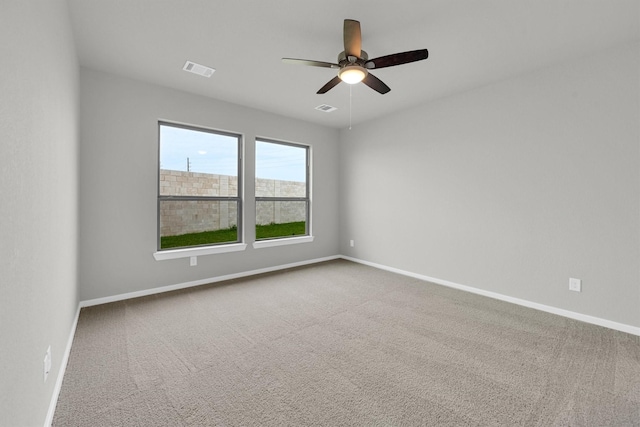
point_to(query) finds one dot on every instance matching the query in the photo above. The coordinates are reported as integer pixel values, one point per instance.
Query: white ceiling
(471, 43)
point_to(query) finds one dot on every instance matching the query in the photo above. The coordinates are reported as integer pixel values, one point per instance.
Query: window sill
(282, 242)
(189, 252)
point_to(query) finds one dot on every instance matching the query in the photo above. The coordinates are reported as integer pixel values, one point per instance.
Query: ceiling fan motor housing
(352, 68)
(343, 59)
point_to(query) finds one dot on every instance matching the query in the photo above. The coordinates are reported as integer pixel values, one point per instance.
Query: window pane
(281, 170)
(197, 163)
(280, 219)
(197, 222)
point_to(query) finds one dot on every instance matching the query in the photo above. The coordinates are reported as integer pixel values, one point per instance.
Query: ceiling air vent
(326, 108)
(201, 70)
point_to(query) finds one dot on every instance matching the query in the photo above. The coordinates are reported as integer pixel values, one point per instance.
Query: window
(199, 186)
(282, 190)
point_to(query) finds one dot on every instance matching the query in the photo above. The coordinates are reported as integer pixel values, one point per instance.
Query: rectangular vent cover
(326, 108)
(201, 70)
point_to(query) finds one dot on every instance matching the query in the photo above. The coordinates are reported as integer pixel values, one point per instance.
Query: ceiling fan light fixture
(352, 74)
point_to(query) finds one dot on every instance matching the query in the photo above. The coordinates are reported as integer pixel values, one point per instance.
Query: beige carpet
(342, 344)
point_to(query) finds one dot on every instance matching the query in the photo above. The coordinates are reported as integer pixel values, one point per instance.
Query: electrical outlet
(352, 243)
(193, 261)
(575, 285)
(47, 363)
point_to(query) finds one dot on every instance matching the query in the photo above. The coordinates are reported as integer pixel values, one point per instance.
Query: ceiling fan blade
(352, 38)
(309, 62)
(376, 84)
(397, 59)
(330, 85)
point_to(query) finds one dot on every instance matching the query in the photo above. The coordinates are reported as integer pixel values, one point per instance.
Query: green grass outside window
(231, 235)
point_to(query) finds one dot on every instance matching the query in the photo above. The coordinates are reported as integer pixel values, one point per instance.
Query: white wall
(38, 207)
(510, 188)
(118, 213)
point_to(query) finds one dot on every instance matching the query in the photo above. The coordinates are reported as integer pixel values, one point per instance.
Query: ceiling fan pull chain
(350, 89)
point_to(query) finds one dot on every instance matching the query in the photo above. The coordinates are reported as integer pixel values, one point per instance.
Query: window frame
(209, 248)
(286, 240)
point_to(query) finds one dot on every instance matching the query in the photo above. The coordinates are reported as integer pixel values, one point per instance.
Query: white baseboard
(63, 367)
(152, 291)
(549, 309)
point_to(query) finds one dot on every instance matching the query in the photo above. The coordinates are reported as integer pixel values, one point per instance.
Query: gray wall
(118, 213)
(510, 188)
(38, 207)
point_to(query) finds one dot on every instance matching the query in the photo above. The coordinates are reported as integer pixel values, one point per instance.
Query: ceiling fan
(354, 63)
